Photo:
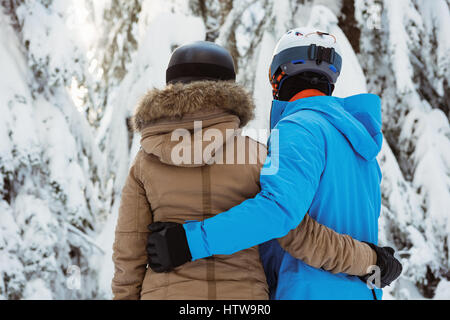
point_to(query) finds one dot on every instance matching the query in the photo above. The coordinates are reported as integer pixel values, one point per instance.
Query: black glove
(167, 246)
(390, 267)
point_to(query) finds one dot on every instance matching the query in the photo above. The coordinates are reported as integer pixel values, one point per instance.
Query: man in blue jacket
(325, 158)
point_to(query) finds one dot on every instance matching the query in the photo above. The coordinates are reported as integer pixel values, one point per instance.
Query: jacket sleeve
(322, 247)
(129, 253)
(289, 180)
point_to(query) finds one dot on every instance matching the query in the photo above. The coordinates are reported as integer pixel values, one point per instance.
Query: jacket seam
(138, 178)
(206, 206)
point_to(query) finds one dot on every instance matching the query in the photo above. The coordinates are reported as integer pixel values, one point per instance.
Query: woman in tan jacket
(162, 188)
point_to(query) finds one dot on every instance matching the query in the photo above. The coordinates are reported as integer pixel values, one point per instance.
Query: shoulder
(140, 155)
(142, 158)
(305, 124)
(304, 132)
(143, 162)
(135, 168)
(139, 159)
(306, 118)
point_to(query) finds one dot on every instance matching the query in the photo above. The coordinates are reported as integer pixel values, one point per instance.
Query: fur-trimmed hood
(178, 100)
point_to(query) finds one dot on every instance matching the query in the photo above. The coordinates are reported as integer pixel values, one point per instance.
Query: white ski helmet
(305, 50)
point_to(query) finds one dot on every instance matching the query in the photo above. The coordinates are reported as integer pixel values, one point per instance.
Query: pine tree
(52, 171)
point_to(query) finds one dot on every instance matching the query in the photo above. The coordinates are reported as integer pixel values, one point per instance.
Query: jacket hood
(193, 142)
(357, 117)
(182, 121)
(178, 100)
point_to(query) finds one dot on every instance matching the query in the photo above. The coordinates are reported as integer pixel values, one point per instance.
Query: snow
(104, 262)
(436, 15)
(399, 48)
(37, 290)
(443, 291)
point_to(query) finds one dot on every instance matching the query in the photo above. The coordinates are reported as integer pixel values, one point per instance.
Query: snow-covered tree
(51, 170)
(406, 61)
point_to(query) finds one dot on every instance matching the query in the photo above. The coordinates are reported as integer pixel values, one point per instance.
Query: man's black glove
(167, 246)
(390, 267)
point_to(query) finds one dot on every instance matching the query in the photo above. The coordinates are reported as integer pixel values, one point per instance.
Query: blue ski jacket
(324, 153)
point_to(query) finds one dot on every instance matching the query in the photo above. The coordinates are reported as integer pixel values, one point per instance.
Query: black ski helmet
(200, 60)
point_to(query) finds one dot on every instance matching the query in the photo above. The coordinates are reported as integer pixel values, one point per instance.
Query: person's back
(350, 183)
(195, 185)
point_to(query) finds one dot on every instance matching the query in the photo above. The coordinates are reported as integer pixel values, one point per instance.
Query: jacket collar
(278, 107)
(308, 93)
(176, 101)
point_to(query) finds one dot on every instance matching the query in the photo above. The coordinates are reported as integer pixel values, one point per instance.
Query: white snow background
(73, 70)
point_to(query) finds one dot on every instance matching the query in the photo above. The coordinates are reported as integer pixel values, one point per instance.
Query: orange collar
(308, 93)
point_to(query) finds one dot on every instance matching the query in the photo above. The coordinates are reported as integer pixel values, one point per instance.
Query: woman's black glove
(390, 267)
(167, 246)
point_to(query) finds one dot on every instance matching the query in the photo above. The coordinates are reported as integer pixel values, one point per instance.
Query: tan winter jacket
(160, 188)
